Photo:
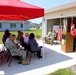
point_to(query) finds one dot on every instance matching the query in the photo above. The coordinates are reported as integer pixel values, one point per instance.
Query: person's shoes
(39, 57)
(25, 63)
(21, 58)
(41, 46)
(19, 62)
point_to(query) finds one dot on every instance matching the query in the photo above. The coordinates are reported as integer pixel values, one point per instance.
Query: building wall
(6, 25)
(49, 23)
(34, 25)
(70, 12)
(53, 17)
(27, 26)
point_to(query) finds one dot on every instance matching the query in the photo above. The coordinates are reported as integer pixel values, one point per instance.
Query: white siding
(6, 25)
(27, 26)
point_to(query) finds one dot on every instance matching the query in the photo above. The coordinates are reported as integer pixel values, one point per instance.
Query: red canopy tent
(17, 10)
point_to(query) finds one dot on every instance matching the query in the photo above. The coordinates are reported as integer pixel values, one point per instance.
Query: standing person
(34, 45)
(59, 37)
(73, 32)
(15, 51)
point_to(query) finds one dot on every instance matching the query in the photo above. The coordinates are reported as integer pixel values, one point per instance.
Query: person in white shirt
(9, 35)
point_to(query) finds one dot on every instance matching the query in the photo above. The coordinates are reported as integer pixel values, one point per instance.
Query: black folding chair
(10, 57)
(32, 53)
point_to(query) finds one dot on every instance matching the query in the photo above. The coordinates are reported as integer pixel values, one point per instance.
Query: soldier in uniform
(50, 37)
(16, 51)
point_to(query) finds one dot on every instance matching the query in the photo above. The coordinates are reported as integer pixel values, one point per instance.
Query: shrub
(38, 36)
(62, 72)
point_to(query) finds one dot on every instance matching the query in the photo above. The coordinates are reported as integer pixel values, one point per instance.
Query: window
(12, 25)
(0, 25)
(21, 25)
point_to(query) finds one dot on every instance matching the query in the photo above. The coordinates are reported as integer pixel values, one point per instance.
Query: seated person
(9, 35)
(17, 39)
(20, 40)
(5, 36)
(50, 37)
(16, 51)
(26, 38)
(34, 45)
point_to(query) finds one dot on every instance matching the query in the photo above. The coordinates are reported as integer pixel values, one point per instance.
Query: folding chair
(1, 54)
(31, 54)
(9, 59)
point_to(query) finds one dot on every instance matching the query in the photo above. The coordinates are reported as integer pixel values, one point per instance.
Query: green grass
(62, 72)
(37, 32)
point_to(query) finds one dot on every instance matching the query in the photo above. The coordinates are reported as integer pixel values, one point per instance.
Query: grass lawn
(37, 32)
(62, 72)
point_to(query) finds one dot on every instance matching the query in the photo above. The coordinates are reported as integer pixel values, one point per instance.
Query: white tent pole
(43, 35)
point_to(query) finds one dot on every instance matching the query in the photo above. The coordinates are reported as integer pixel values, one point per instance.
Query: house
(59, 16)
(34, 25)
(14, 25)
(40, 26)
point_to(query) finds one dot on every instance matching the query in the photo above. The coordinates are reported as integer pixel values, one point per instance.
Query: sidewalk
(53, 59)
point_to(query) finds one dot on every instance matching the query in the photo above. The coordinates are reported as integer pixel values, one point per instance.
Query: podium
(67, 42)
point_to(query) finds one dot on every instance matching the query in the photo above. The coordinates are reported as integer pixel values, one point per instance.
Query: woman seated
(17, 39)
(20, 40)
(26, 39)
(8, 37)
(34, 45)
(5, 36)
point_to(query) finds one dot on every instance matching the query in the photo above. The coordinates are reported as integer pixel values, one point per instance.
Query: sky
(46, 4)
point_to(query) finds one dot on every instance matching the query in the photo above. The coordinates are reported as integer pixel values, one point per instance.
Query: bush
(62, 72)
(38, 36)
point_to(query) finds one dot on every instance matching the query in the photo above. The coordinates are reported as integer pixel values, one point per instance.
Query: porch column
(44, 27)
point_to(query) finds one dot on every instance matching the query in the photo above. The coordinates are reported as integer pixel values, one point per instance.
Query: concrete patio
(53, 59)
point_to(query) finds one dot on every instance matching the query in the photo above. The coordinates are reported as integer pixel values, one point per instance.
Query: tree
(40, 23)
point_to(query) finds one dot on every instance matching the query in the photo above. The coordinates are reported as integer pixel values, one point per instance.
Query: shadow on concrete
(50, 57)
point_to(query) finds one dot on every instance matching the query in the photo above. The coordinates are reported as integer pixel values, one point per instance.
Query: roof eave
(61, 7)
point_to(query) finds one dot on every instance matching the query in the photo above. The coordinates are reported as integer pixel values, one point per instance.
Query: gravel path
(72, 68)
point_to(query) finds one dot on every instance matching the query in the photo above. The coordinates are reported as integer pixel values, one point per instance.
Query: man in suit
(16, 51)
